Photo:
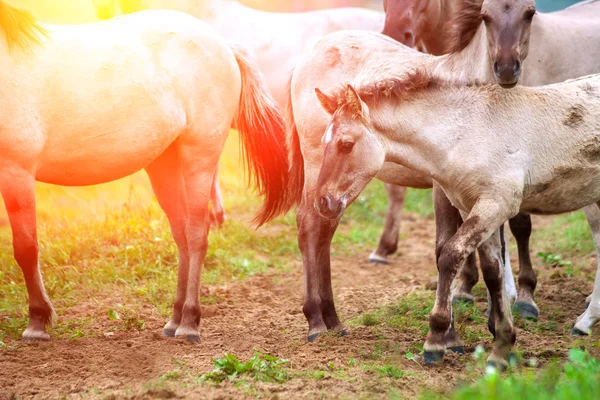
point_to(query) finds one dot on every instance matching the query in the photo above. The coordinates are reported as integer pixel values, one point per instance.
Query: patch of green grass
(578, 378)
(260, 367)
(387, 370)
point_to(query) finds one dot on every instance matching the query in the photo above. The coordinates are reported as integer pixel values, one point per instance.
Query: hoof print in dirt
(578, 332)
(430, 357)
(526, 310)
(457, 349)
(313, 337)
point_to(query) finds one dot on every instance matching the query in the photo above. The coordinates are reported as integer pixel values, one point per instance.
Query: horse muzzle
(507, 72)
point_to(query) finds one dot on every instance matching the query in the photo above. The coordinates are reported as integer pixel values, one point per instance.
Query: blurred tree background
(78, 11)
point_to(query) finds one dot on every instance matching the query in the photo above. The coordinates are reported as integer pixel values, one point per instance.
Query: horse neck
(472, 64)
(435, 32)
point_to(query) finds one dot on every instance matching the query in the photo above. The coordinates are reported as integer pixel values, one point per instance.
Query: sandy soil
(264, 312)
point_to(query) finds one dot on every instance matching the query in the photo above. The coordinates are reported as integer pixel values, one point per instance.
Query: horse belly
(571, 191)
(102, 158)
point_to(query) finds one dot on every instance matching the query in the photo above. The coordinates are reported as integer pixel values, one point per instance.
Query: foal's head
(508, 25)
(354, 154)
(406, 20)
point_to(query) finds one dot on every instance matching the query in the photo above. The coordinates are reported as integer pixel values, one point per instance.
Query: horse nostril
(409, 38)
(496, 68)
(517, 67)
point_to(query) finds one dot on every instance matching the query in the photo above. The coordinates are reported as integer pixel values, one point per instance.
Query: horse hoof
(526, 310)
(498, 365)
(193, 338)
(375, 259)
(578, 332)
(457, 349)
(313, 337)
(31, 336)
(169, 332)
(344, 333)
(430, 357)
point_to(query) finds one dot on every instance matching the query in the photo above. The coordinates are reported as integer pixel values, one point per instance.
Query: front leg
(388, 243)
(484, 219)
(520, 226)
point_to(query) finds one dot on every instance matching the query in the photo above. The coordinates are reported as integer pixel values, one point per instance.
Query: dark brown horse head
(508, 26)
(406, 20)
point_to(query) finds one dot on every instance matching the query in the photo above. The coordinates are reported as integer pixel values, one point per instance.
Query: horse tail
(262, 136)
(295, 159)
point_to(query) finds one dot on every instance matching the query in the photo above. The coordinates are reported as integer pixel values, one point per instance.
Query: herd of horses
(433, 103)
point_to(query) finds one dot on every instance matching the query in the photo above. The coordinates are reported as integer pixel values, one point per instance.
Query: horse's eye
(346, 147)
(486, 18)
(529, 15)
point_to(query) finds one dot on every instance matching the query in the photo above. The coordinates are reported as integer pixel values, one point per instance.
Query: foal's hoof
(169, 332)
(344, 333)
(457, 349)
(313, 337)
(578, 332)
(377, 259)
(526, 310)
(430, 357)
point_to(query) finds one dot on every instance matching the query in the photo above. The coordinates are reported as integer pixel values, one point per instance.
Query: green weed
(261, 367)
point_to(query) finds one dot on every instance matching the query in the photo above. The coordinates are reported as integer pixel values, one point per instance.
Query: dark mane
(464, 24)
(398, 88)
(19, 26)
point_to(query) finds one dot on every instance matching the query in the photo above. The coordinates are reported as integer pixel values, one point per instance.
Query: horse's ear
(327, 102)
(353, 101)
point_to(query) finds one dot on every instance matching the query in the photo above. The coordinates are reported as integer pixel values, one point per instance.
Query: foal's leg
(584, 323)
(18, 191)
(167, 183)
(484, 219)
(314, 239)
(520, 226)
(388, 244)
(447, 221)
(500, 318)
(217, 216)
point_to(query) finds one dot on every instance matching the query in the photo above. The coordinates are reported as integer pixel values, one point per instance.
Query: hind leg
(520, 226)
(18, 191)
(584, 323)
(217, 215)
(167, 182)
(388, 244)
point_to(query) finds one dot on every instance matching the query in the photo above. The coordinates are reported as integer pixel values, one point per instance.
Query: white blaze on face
(328, 135)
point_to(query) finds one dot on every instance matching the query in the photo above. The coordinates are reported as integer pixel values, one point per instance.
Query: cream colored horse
(87, 104)
(494, 152)
(339, 57)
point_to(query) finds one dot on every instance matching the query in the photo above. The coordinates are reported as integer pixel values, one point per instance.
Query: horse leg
(19, 198)
(388, 244)
(217, 215)
(500, 318)
(198, 164)
(484, 219)
(314, 239)
(584, 323)
(447, 221)
(520, 226)
(167, 183)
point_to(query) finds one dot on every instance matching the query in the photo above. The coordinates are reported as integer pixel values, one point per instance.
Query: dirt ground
(264, 312)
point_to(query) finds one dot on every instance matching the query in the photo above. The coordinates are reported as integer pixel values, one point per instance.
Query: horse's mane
(19, 26)
(463, 25)
(398, 88)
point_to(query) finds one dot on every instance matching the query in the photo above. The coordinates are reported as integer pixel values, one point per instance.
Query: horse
(158, 90)
(275, 40)
(420, 22)
(339, 57)
(493, 152)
